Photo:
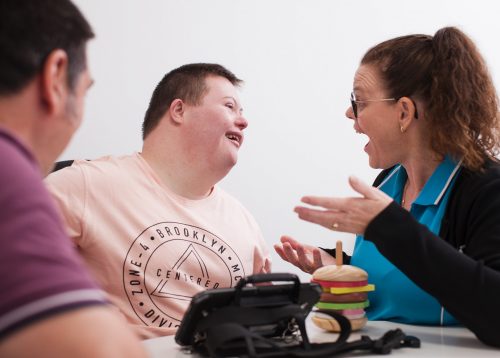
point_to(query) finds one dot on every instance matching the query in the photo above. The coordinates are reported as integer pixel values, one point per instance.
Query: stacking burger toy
(345, 290)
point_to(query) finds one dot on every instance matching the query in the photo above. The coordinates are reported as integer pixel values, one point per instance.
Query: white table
(435, 341)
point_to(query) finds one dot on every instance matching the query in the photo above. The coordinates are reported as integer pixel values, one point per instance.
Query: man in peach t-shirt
(153, 226)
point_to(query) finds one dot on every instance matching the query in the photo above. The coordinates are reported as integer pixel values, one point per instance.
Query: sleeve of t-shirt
(42, 274)
(67, 187)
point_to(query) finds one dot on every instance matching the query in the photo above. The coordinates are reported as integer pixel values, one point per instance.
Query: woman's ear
(408, 113)
(54, 81)
(176, 110)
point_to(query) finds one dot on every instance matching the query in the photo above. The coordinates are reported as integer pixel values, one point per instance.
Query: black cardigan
(461, 267)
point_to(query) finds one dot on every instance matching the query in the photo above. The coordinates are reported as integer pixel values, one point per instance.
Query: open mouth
(235, 138)
(359, 131)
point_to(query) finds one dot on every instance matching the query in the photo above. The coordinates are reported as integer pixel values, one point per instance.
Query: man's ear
(407, 114)
(54, 81)
(176, 110)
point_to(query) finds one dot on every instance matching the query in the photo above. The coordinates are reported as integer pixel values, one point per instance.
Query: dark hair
(186, 83)
(449, 76)
(30, 30)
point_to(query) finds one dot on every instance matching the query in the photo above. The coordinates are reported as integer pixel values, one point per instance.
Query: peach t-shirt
(150, 249)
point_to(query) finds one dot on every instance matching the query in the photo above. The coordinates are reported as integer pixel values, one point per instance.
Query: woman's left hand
(346, 214)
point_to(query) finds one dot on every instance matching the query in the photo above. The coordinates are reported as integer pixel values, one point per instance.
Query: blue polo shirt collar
(436, 185)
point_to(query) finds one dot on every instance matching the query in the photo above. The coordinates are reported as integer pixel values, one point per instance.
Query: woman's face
(376, 119)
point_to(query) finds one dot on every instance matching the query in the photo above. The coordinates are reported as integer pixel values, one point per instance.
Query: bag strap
(225, 339)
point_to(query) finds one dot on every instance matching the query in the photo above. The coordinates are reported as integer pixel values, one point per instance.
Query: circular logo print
(168, 264)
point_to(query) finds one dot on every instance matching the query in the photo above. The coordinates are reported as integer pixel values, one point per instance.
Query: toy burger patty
(345, 290)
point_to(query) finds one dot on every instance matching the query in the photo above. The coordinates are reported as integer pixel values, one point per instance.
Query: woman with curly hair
(429, 228)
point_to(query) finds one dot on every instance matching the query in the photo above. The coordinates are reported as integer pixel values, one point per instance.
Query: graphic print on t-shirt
(169, 263)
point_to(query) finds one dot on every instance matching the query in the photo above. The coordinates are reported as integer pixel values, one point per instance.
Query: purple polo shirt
(42, 274)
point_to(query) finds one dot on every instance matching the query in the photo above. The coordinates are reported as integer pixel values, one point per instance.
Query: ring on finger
(335, 226)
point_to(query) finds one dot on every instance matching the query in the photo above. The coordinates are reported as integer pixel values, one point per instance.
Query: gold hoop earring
(402, 129)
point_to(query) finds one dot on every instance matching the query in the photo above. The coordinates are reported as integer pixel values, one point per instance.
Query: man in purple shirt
(49, 306)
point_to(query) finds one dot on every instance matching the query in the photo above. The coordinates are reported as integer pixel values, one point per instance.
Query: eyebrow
(358, 89)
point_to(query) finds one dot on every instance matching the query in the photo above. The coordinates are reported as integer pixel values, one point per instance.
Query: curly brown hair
(449, 76)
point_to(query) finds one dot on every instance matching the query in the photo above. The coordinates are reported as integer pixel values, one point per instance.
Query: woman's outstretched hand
(346, 214)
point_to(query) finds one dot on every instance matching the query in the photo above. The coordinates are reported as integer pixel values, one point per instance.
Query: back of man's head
(186, 83)
(30, 30)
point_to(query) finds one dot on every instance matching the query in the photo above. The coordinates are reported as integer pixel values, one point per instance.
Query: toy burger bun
(345, 290)
(342, 273)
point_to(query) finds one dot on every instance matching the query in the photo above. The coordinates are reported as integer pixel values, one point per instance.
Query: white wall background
(297, 58)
